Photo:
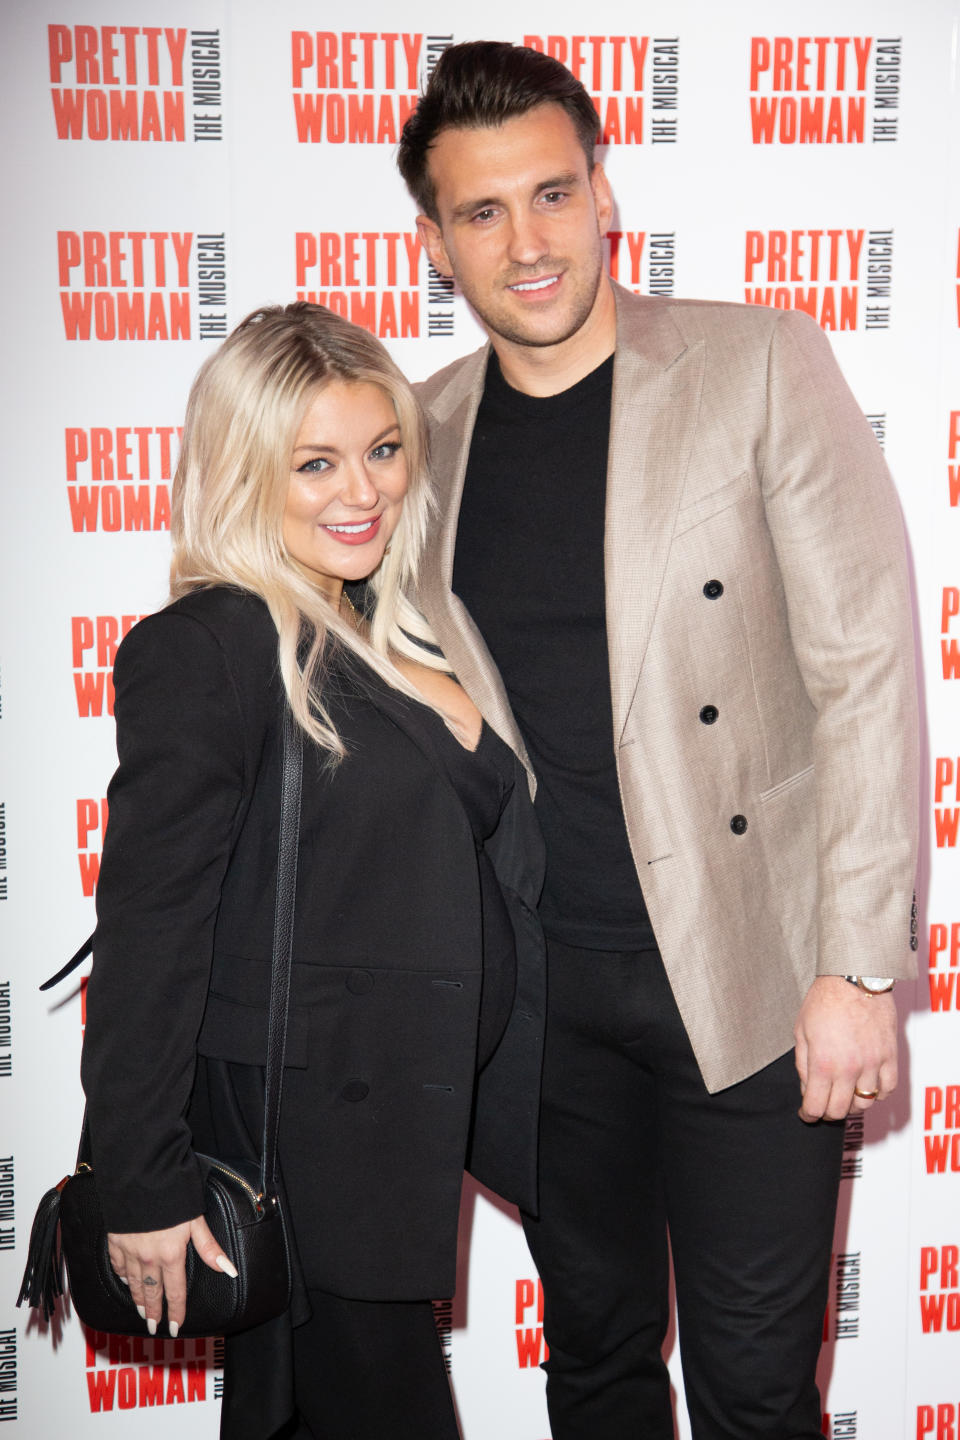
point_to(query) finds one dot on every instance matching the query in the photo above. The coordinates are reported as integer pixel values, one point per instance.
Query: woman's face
(348, 477)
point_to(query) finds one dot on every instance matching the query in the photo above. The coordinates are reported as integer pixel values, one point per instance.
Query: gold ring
(866, 1094)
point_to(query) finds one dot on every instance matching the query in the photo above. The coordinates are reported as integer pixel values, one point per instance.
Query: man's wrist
(871, 984)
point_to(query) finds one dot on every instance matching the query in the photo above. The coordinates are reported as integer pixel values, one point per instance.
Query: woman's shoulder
(228, 616)
(223, 609)
(219, 624)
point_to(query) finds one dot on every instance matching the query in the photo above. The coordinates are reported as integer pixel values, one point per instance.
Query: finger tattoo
(149, 1280)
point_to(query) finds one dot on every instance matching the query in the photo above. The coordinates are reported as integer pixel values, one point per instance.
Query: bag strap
(290, 792)
(71, 965)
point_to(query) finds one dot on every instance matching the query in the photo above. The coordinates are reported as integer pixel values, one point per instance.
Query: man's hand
(153, 1265)
(845, 1040)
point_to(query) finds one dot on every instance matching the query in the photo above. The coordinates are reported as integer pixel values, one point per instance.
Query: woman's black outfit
(420, 865)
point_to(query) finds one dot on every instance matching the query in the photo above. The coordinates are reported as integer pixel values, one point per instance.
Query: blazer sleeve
(174, 802)
(836, 525)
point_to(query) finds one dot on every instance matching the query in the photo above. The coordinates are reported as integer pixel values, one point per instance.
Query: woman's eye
(316, 466)
(386, 451)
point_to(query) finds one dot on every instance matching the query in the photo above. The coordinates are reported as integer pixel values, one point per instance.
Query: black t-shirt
(529, 567)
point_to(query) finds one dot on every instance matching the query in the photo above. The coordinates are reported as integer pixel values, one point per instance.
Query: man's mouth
(541, 283)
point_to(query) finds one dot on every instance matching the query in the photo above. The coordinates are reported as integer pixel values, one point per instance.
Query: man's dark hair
(483, 83)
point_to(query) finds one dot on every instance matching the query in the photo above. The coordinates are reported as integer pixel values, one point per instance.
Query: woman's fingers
(146, 1290)
(152, 1263)
(175, 1289)
(209, 1249)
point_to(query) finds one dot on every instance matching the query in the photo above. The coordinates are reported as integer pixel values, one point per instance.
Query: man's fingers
(816, 1097)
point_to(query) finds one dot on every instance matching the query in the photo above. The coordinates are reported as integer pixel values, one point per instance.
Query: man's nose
(527, 244)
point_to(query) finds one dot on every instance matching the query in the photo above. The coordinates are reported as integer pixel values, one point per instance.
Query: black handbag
(241, 1200)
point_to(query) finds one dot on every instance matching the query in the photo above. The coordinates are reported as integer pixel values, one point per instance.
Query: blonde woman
(301, 505)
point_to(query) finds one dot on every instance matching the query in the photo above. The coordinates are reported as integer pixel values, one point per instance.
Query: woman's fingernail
(152, 1327)
(124, 1281)
(141, 1312)
(174, 1329)
(227, 1266)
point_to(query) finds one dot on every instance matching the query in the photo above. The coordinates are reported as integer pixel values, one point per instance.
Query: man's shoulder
(701, 319)
(454, 381)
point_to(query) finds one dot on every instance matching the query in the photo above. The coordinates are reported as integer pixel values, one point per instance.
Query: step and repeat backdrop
(170, 165)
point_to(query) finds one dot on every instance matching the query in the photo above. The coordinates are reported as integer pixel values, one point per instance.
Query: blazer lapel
(452, 412)
(657, 382)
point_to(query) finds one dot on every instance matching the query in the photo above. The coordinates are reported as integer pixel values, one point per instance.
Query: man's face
(521, 224)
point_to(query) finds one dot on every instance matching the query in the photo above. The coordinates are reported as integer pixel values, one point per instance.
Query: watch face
(875, 985)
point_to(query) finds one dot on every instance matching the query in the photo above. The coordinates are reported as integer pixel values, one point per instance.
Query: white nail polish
(152, 1327)
(124, 1281)
(141, 1312)
(227, 1266)
(174, 1329)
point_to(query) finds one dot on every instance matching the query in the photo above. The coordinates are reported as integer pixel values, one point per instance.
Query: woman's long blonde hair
(245, 409)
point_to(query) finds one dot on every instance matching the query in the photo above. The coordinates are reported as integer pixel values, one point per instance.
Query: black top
(484, 779)
(529, 567)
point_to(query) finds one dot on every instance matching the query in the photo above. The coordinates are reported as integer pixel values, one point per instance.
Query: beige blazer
(755, 563)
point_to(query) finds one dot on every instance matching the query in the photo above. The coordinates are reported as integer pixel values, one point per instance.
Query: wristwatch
(870, 984)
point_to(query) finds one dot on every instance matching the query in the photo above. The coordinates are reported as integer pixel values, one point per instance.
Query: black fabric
(382, 1102)
(529, 568)
(383, 1022)
(484, 780)
(368, 1371)
(632, 1145)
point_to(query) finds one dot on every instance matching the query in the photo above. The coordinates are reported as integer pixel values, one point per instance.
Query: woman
(417, 978)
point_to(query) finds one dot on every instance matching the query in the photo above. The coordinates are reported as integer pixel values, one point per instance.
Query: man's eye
(483, 215)
(554, 197)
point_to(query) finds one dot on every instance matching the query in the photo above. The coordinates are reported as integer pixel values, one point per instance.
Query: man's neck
(549, 369)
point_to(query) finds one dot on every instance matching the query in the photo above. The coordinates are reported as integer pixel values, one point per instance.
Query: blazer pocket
(706, 506)
(238, 1032)
(776, 791)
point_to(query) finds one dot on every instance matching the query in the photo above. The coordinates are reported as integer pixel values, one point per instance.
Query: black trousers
(367, 1370)
(347, 1369)
(633, 1146)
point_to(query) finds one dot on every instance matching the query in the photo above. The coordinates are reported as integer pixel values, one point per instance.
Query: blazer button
(709, 714)
(738, 824)
(713, 589)
(355, 1090)
(360, 982)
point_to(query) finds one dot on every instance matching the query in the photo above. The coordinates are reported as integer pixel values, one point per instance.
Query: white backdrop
(170, 165)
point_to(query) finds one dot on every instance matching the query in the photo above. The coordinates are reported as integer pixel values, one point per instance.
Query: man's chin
(535, 333)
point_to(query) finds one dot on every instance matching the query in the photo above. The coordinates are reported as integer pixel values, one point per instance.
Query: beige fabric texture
(738, 454)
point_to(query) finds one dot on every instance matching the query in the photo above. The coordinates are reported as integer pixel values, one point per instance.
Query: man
(672, 528)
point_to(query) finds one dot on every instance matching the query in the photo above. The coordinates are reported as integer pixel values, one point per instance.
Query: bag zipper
(256, 1198)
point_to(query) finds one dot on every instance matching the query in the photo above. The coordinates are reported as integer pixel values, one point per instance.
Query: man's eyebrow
(565, 181)
(461, 212)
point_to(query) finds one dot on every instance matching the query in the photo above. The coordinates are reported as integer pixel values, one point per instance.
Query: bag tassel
(43, 1273)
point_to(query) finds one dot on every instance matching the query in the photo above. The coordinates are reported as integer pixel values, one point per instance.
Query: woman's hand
(153, 1265)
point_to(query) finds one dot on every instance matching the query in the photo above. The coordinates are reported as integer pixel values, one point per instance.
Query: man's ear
(602, 197)
(431, 238)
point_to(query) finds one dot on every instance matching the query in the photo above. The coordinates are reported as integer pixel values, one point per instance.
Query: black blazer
(380, 1095)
